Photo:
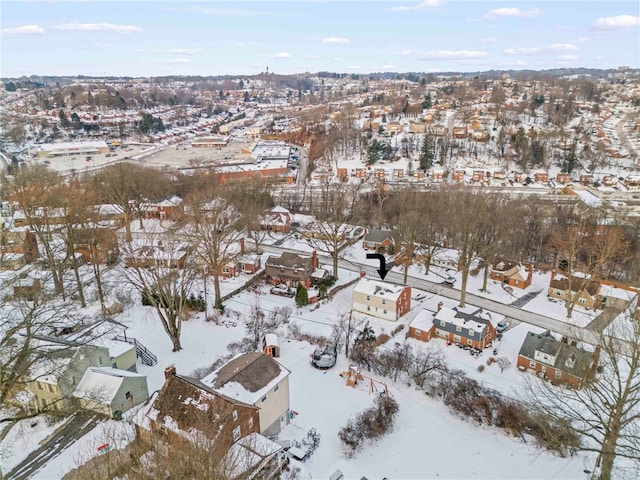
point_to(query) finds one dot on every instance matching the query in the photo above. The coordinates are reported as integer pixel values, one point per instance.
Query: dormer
(543, 357)
(571, 361)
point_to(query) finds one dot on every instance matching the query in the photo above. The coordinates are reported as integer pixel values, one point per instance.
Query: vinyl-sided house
(384, 300)
(111, 391)
(512, 273)
(474, 329)
(55, 377)
(554, 360)
(291, 269)
(563, 288)
(259, 380)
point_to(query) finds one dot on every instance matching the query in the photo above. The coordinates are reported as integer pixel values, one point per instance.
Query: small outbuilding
(271, 345)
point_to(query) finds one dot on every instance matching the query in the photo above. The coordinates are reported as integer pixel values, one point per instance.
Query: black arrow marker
(383, 266)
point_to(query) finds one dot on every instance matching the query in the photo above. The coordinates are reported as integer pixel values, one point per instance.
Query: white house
(388, 301)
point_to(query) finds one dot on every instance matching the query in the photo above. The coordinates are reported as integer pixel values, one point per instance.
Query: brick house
(541, 177)
(291, 269)
(185, 409)
(563, 288)
(563, 178)
(559, 362)
(377, 239)
(474, 329)
(278, 219)
(381, 299)
(512, 273)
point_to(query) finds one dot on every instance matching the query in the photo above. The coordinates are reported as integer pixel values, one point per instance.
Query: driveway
(78, 425)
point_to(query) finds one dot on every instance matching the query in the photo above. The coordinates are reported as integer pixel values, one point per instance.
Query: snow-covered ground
(427, 441)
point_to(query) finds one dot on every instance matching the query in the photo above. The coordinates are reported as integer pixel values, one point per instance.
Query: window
(40, 387)
(557, 374)
(114, 365)
(368, 298)
(384, 302)
(384, 311)
(236, 433)
(543, 368)
(276, 388)
(127, 395)
(532, 364)
(457, 338)
(516, 282)
(559, 293)
(469, 341)
(458, 329)
(264, 399)
(582, 301)
(368, 308)
(417, 332)
(234, 414)
(50, 387)
(442, 323)
(250, 422)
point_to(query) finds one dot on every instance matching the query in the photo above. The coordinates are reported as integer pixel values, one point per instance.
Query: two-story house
(259, 380)
(566, 288)
(557, 361)
(291, 269)
(55, 377)
(187, 410)
(473, 329)
(277, 219)
(384, 300)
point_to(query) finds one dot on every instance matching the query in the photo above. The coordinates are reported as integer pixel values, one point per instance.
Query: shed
(271, 345)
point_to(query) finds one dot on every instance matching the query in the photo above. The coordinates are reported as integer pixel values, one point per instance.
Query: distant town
(321, 276)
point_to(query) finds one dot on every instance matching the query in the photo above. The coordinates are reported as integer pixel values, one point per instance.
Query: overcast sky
(144, 38)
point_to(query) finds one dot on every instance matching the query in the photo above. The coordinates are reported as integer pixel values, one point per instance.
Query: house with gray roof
(476, 329)
(556, 361)
(377, 239)
(256, 379)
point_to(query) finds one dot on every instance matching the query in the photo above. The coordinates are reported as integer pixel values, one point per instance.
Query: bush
(372, 423)
(481, 368)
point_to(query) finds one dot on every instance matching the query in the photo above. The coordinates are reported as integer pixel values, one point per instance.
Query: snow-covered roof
(453, 317)
(247, 377)
(101, 384)
(271, 339)
(380, 289)
(423, 321)
(248, 452)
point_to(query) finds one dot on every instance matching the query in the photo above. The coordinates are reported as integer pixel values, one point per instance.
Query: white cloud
(282, 55)
(620, 22)
(23, 30)
(512, 12)
(555, 48)
(421, 6)
(335, 40)
(445, 54)
(98, 27)
(489, 40)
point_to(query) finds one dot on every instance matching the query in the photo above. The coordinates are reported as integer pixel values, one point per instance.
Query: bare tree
(606, 411)
(335, 212)
(163, 275)
(212, 226)
(346, 327)
(583, 251)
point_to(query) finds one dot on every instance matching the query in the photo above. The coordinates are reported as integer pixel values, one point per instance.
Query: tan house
(512, 273)
(563, 288)
(384, 300)
(259, 380)
(559, 362)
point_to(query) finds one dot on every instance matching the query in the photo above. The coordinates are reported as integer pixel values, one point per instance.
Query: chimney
(242, 245)
(440, 306)
(169, 371)
(314, 260)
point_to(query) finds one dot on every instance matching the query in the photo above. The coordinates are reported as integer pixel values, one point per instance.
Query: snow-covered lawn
(23, 438)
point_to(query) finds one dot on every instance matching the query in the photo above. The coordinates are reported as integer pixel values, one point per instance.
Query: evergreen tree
(426, 103)
(302, 296)
(427, 154)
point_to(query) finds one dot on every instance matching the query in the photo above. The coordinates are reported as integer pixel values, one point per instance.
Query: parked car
(282, 289)
(502, 326)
